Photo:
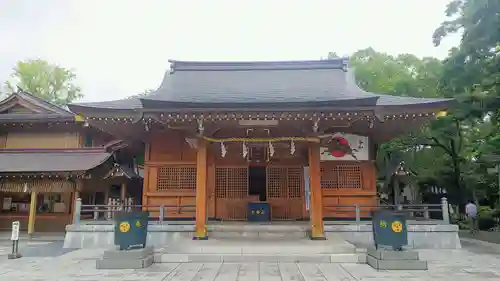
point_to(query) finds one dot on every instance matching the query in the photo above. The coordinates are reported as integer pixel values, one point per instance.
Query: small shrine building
(297, 135)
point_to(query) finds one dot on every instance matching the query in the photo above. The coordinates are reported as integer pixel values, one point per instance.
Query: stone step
(217, 258)
(396, 264)
(382, 254)
(244, 246)
(125, 263)
(259, 234)
(259, 227)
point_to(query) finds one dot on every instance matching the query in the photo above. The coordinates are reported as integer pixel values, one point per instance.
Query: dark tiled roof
(51, 107)
(128, 103)
(390, 100)
(47, 110)
(232, 84)
(276, 84)
(35, 118)
(39, 161)
(122, 170)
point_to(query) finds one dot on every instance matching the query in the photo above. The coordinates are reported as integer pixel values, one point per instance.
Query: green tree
(439, 150)
(47, 81)
(472, 74)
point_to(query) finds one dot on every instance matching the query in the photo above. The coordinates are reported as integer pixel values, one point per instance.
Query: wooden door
(285, 192)
(231, 193)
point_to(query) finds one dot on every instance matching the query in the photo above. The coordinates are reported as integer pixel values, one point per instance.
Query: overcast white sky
(121, 47)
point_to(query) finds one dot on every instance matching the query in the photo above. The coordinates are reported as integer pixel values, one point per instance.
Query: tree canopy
(452, 151)
(45, 80)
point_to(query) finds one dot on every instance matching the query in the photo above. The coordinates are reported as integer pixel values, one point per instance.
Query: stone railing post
(162, 213)
(96, 213)
(108, 208)
(116, 208)
(426, 212)
(78, 211)
(130, 202)
(358, 214)
(445, 209)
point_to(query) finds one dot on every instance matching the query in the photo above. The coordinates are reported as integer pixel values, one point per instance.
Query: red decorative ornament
(340, 142)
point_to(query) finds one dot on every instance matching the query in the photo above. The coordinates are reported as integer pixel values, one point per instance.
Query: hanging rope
(316, 140)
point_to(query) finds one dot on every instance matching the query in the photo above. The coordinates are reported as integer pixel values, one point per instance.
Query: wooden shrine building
(295, 135)
(48, 157)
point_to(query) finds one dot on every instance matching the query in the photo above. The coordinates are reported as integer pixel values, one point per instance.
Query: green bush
(486, 222)
(496, 213)
(486, 218)
(485, 211)
(463, 225)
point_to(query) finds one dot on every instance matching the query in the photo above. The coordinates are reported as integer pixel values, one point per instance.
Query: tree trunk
(458, 178)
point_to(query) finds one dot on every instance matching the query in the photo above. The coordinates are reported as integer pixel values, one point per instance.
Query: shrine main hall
(266, 141)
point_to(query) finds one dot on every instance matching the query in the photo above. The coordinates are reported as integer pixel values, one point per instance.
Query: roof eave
(151, 104)
(422, 106)
(35, 118)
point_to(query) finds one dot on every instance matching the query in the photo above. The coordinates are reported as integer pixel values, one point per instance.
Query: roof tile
(33, 162)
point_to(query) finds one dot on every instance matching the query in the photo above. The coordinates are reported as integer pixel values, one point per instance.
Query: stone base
(236, 258)
(385, 254)
(394, 260)
(131, 259)
(420, 236)
(200, 238)
(13, 256)
(128, 254)
(334, 250)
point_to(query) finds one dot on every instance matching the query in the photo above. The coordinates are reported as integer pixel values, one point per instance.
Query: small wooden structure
(299, 135)
(48, 157)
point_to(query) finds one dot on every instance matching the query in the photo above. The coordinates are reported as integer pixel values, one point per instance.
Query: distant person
(471, 212)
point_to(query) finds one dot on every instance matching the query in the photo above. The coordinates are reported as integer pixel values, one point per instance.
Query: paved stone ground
(47, 261)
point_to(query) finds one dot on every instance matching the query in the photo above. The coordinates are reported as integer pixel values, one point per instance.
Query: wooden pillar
(201, 191)
(32, 214)
(396, 190)
(123, 193)
(316, 209)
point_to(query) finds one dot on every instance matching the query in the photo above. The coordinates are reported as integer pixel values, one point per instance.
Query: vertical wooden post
(317, 229)
(32, 214)
(201, 191)
(123, 193)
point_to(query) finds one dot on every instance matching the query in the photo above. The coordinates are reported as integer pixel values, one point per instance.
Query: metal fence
(422, 212)
(160, 213)
(107, 212)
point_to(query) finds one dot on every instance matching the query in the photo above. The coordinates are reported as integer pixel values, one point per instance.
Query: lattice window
(276, 182)
(295, 179)
(231, 182)
(341, 176)
(176, 178)
(284, 182)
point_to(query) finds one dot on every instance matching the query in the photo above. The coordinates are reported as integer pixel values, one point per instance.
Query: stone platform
(130, 259)
(421, 235)
(384, 259)
(246, 249)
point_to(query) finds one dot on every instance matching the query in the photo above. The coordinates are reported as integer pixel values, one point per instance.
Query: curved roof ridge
(176, 65)
(37, 101)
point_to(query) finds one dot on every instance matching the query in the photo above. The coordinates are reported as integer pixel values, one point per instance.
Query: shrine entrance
(280, 186)
(257, 182)
(285, 192)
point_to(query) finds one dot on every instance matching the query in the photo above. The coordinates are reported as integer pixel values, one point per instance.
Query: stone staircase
(276, 244)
